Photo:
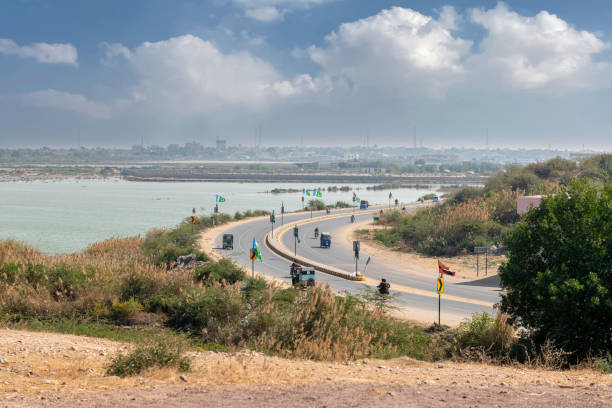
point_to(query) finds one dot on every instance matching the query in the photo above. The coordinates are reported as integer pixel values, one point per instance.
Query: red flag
(443, 269)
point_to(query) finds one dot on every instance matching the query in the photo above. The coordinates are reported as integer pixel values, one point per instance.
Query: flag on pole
(307, 192)
(357, 199)
(319, 193)
(220, 199)
(303, 191)
(314, 192)
(444, 270)
(256, 250)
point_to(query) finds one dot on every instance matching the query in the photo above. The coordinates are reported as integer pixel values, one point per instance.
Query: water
(67, 215)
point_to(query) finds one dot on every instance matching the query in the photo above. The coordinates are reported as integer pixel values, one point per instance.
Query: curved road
(475, 296)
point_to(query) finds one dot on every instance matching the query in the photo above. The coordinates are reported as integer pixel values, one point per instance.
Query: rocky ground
(46, 369)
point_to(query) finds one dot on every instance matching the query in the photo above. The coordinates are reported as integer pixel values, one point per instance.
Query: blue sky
(534, 73)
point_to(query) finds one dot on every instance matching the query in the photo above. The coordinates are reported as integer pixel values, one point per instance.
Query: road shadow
(489, 282)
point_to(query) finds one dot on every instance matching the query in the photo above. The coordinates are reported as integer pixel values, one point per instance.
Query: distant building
(583, 155)
(524, 204)
(221, 144)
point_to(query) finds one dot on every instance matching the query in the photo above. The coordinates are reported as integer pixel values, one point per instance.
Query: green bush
(212, 309)
(158, 353)
(224, 270)
(316, 205)
(558, 277)
(342, 204)
(492, 335)
(122, 311)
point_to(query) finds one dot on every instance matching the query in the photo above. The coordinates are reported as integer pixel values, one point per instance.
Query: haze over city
(306, 72)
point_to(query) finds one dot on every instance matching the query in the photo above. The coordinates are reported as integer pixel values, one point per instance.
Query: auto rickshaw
(302, 276)
(228, 241)
(325, 240)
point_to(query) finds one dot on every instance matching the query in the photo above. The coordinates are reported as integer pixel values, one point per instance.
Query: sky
(529, 74)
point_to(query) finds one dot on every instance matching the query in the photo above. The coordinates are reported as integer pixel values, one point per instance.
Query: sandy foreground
(47, 369)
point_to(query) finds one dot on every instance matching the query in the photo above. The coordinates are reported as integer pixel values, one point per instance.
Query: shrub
(158, 353)
(492, 336)
(122, 311)
(342, 204)
(223, 270)
(316, 205)
(558, 277)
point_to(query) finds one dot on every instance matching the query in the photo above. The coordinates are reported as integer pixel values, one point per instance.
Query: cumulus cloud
(398, 49)
(272, 10)
(43, 52)
(52, 98)
(535, 52)
(187, 74)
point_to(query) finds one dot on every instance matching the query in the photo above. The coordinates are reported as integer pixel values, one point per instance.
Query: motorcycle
(352, 218)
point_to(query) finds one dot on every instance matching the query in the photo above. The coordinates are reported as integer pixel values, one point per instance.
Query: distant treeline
(420, 166)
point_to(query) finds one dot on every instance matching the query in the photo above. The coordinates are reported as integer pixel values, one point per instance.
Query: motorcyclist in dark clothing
(352, 218)
(383, 287)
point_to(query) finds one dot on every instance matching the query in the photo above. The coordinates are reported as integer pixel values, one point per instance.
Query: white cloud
(43, 52)
(540, 51)
(273, 10)
(398, 50)
(52, 98)
(115, 50)
(187, 75)
(265, 14)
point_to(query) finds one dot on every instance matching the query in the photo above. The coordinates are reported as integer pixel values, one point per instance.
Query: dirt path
(46, 369)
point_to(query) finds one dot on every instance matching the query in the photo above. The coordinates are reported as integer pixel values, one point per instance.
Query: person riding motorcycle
(383, 287)
(352, 218)
(316, 232)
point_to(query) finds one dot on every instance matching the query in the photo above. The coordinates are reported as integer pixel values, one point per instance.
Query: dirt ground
(463, 265)
(46, 369)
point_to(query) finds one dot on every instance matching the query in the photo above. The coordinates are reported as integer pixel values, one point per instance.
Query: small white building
(525, 203)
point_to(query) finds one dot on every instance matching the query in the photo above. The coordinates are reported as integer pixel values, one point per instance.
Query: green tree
(558, 277)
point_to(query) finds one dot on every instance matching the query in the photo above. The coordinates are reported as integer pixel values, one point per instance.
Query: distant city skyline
(515, 74)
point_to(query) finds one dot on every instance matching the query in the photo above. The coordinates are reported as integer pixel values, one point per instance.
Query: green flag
(307, 192)
(357, 199)
(256, 252)
(319, 194)
(220, 199)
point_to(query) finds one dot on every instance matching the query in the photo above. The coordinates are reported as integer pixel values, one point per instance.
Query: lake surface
(67, 215)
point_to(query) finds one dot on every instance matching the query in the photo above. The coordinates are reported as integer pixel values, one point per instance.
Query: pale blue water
(67, 215)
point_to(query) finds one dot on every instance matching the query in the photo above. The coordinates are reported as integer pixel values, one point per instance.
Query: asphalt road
(412, 306)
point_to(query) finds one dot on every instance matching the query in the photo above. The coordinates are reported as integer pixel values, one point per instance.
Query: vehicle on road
(228, 241)
(327, 210)
(363, 205)
(352, 218)
(325, 240)
(383, 287)
(316, 232)
(436, 199)
(302, 276)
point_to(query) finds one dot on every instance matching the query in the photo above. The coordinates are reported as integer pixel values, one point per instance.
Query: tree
(558, 274)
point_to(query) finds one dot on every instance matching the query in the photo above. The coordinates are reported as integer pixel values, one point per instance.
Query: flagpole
(439, 300)
(252, 268)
